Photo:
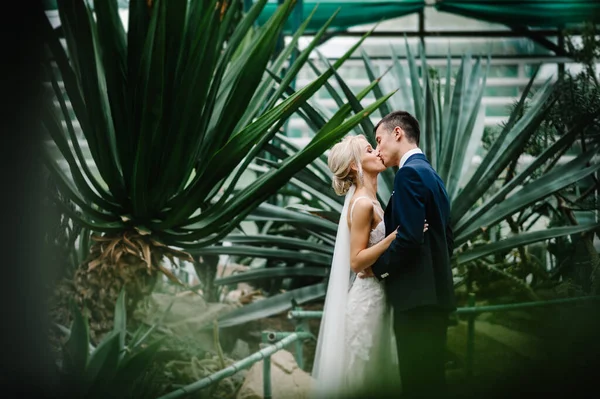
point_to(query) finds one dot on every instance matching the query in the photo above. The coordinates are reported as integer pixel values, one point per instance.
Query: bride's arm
(362, 257)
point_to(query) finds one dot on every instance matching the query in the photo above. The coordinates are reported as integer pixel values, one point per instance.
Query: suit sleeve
(450, 240)
(409, 211)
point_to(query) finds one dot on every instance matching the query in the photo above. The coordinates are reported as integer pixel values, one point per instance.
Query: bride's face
(370, 160)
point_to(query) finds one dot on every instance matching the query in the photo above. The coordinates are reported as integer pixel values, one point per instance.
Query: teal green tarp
(352, 12)
(534, 13)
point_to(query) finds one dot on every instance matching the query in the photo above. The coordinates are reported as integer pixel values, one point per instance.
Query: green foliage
(588, 51)
(483, 197)
(173, 111)
(576, 99)
(115, 368)
(61, 234)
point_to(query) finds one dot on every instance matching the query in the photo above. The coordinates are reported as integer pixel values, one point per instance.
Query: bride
(356, 347)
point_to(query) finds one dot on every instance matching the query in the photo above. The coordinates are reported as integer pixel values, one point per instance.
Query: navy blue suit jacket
(416, 266)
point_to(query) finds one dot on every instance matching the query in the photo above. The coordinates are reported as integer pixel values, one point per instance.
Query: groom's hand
(366, 273)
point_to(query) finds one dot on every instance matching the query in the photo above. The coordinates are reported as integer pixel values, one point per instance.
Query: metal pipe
(234, 368)
(499, 59)
(422, 29)
(471, 337)
(267, 378)
(267, 394)
(501, 308)
(449, 34)
(305, 314)
(274, 336)
(315, 314)
(300, 353)
(302, 325)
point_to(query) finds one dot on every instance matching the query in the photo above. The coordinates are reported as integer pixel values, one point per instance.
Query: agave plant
(483, 200)
(118, 367)
(172, 111)
(477, 201)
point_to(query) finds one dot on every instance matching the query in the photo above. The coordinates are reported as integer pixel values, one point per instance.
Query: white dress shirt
(408, 154)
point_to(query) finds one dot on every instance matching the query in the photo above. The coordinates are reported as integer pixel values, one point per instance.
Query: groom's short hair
(405, 121)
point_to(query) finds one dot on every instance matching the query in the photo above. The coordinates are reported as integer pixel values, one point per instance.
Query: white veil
(329, 364)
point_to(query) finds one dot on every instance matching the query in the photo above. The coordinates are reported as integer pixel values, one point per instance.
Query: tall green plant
(449, 112)
(173, 110)
(169, 109)
(448, 122)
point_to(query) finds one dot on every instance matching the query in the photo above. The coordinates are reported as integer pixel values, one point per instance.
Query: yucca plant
(172, 111)
(450, 116)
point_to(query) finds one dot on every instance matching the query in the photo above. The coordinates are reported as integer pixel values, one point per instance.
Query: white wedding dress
(369, 336)
(356, 349)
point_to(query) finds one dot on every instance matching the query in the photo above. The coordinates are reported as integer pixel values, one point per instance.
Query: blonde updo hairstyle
(342, 157)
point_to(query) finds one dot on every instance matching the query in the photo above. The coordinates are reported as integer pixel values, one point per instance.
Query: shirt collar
(408, 154)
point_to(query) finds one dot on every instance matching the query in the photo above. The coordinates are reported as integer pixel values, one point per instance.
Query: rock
(240, 350)
(235, 293)
(238, 295)
(288, 381)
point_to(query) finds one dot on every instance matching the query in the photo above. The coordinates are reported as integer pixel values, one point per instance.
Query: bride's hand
(366, 273)
(392, 235)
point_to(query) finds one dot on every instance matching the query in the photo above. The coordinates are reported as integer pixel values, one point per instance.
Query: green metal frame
(517, 30)
(264, 354)
(273, 336)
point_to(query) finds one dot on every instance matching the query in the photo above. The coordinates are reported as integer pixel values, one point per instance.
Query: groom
(416, 266)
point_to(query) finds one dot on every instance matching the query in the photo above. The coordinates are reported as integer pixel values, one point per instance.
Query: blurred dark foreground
(567, 366)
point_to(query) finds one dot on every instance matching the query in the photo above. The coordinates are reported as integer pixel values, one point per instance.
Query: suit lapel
(388, 214)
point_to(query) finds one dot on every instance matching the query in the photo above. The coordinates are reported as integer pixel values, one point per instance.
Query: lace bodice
(377, 234)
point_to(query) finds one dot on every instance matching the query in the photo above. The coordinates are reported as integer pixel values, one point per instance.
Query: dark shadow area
(564, 367)
(569, 365)
(27, 369)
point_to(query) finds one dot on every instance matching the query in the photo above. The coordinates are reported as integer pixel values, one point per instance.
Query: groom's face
(387, 145)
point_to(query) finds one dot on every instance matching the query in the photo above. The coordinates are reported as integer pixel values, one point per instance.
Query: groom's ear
(398, 133)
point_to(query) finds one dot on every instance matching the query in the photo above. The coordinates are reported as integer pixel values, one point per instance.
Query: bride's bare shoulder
(360, 207)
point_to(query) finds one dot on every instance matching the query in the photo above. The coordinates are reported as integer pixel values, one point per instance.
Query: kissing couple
(384, 333)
